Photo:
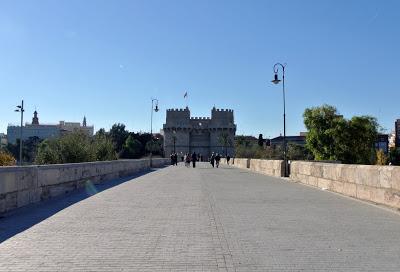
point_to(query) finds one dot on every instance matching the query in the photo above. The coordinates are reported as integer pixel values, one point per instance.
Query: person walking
(194, 159)
(176, 159)
(212, 159)
(228, 158)
(187, 160)
(217, 159)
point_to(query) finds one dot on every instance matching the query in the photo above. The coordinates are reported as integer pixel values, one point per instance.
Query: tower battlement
(200, 118)
(185, 134)
(223, 110)
(177, 110)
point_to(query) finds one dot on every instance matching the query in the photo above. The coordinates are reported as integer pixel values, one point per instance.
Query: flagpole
(185, 96)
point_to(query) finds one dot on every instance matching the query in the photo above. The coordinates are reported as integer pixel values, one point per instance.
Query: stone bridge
(202, 219)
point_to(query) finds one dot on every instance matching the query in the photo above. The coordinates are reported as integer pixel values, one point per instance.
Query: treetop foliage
(332, 137)
(79, 147)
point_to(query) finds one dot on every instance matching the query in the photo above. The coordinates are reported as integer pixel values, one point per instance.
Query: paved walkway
(204, 219)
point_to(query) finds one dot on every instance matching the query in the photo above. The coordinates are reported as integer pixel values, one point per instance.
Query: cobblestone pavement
(204, 219)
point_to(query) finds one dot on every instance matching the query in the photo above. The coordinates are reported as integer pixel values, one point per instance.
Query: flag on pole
(185, 95)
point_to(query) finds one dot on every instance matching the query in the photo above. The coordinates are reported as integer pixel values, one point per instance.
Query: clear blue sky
(106, 59)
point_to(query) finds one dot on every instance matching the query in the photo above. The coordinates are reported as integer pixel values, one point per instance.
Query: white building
(45, 131)
(392, 139)
(3, 140)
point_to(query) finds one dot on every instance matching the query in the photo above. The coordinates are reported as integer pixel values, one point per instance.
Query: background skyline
(105, 60)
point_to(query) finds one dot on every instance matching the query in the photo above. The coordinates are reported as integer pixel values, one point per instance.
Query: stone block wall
(266, 167)
(379, 184)
(20, 186)
(274, 168)
(241, 163)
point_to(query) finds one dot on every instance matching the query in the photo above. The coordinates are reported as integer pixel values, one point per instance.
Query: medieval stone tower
(202, 135)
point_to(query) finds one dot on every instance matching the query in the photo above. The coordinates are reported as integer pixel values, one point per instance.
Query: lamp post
(20, 108)
(174, 138)
(276, 80)
(151, 127)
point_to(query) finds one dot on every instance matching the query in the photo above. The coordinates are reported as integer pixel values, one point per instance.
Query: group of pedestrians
(193, 158)
(214, 160)
(190, 158)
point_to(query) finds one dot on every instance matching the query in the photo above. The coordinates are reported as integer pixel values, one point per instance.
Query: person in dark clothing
(194, 159)
(187, 160)
(172, 158)
(228, 158)
(212, 159)
(176, 159)
(217, 159)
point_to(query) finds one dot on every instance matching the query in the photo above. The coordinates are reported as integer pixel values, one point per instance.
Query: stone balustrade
(20, 186)
(241, 163)
(266, 167)
(274, 168)
(379, 184)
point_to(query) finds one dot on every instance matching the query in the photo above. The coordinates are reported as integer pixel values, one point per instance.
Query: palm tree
(226, 141)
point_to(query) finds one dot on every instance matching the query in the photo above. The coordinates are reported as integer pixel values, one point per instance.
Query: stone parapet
(241, 163)
(379, 184)
(266, 167)
(274, 168)
(20, 186)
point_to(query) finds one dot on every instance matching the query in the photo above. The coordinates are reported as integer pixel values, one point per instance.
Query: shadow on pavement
(26, 217)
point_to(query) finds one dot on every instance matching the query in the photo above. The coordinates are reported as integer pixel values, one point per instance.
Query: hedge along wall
(380, 184)
(20, 186)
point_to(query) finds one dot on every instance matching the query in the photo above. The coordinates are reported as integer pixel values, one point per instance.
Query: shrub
(75, 147)
(6, 159)
(381, 158)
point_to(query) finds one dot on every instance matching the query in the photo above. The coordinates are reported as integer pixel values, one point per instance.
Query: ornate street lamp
(174, 138)
(151, 126)
(276, 80)
(20, 108)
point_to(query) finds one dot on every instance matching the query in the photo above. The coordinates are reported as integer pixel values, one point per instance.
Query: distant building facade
(397, 132)
(202, 135)
(382, 143)
(45, 131)
(392, 139)
(278, 141)
(3, 140)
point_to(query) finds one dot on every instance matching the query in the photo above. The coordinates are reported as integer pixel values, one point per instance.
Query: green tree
(103, 148)
(332, 137)
(298, 152)
(132, 148)
(75, 147)
(49, 152)
(394, 156)
(154, 146)
(101, 133)
(29, 148)
(226, 141)
(118, 135)
(321, 123)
